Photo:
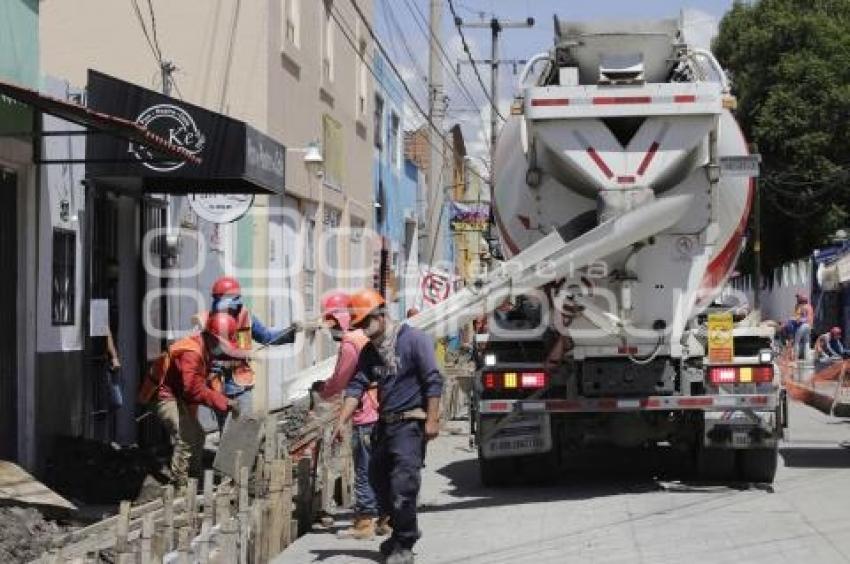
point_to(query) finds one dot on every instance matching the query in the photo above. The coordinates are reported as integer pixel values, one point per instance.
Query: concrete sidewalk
(627, 516)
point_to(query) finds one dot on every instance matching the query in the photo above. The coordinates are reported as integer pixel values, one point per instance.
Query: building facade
(288, 68)
(397, 182)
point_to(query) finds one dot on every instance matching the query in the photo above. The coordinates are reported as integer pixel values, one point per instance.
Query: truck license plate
(527, 434)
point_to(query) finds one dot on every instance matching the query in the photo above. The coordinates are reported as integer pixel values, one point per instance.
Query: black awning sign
(235, 157)
(174, 124)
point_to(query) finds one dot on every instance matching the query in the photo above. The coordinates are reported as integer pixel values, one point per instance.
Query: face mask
(373, 327)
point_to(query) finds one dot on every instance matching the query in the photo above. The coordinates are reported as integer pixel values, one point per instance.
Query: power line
(153, 31)
(472, 61)
(429, 34)
(141, 19)
(374, 74)
(393, 26)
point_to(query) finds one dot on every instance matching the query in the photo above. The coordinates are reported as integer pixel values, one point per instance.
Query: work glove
(296, 327)
(233, 407)
(317, 386)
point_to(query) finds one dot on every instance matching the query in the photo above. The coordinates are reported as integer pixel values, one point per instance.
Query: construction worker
(183, 386)
(337, 320)
(400, 359)
(237, 380)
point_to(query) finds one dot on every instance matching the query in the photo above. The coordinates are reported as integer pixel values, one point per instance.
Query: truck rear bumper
(726, 402)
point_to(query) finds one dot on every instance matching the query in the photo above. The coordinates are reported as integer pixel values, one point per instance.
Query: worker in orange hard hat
(237, 380)
(400, 360)
(178, 384)
(337, 319)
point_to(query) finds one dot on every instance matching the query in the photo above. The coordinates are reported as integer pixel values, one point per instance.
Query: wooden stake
(274, 533)
(192, 504)
(147, 539)
(271, 437)
(168, 516)
(209, 500)
(204, 542)
(183, 546)
(122, 528)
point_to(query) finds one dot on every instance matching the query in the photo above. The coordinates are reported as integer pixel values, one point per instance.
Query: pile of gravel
(24, 534)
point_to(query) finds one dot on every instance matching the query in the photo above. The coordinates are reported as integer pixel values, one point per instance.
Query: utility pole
(496, 27)
(436, 112)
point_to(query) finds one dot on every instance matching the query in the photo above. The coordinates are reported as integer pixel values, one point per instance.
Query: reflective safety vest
(153, 380)
(243, 374)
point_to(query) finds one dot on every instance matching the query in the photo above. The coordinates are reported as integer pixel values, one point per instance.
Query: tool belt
(417, 414)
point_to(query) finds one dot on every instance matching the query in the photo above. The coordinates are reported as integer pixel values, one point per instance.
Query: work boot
(382, 527)
(387, 547)
(363, 528)
(400, 556)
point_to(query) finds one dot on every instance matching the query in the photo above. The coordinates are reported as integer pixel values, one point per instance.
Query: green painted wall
(18, 58)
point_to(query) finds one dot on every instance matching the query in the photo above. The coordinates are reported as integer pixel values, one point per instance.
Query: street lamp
(313, 158)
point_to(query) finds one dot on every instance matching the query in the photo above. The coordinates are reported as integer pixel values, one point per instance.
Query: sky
(401, 27)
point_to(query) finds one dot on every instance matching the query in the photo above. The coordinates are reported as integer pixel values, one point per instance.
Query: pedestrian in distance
(337, 320)
(177, 384)
(800, 326)
(400, 360)
(237, 379)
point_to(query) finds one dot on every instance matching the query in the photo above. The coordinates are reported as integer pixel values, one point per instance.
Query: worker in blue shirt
(400, 360)
(236, 379)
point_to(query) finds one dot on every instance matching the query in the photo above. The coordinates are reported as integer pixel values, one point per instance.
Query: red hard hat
(221, 325)
(835, 331)
(335, 306)
(226, 286)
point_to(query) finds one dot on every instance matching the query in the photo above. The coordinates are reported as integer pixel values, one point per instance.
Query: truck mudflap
(520, 435)
(719, 403)
(742, 429)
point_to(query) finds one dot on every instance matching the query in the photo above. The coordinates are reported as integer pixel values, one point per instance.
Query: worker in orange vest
(238, 380)
(180, 385)
(337, 319)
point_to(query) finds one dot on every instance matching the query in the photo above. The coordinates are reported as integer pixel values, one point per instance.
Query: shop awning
(235, 157)
(101, 122)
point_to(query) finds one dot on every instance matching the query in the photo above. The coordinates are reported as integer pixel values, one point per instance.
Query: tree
(789, 61)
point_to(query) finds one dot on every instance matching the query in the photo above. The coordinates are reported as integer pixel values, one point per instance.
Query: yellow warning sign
(720, 342)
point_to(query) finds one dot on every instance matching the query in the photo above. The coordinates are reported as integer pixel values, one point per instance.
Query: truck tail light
(740, 374)
(514, 380)
(533, 380)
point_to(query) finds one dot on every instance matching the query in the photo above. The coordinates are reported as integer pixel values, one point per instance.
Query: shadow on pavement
(802, 457)
(605, 473)
(322, 554)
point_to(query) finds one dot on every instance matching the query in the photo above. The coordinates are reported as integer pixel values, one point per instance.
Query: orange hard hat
(364, 302)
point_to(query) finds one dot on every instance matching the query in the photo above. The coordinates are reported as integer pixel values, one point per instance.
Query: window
(291, 24)
(392, 140)
(379, 121)
(64, 276)
(332, 144)
(362, 73)
(328, 44)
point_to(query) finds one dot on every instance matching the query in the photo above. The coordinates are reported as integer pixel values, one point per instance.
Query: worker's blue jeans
(396, 463)
(365, 501)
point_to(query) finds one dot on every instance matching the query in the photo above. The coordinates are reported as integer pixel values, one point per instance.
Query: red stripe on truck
(685, 99)
(599, 162)
(537, 102)
(647, 158)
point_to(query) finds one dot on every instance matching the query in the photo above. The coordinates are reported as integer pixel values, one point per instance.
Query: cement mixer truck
(622, 145)
(622, 191)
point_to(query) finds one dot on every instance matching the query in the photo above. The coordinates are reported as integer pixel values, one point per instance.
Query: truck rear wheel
(715, 464)
(497, 472)
(758, 464)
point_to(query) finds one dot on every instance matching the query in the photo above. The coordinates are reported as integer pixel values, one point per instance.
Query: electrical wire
(395, 70)
(153, 32)
(394, 29)
(141, 19)
(488, 94)
(419, 18)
